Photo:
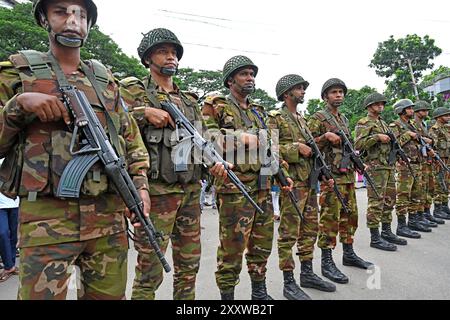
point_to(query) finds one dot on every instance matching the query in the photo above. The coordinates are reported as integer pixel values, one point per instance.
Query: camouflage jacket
(319, 126)
(45, 219)
(372, 151)
(440, 133)
(424, 132)
(409, 145)
(135, 94)
(290, 135)
(226, 121)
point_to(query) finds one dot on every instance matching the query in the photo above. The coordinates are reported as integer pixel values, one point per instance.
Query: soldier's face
(423, 114)
(297, 93)
(445, 119)
(243, 82)
(376, 108)
(68, 18)
(409, 112)
(335, 97)
(164, 55)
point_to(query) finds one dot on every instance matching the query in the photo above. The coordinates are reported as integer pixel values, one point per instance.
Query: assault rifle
(97, 147)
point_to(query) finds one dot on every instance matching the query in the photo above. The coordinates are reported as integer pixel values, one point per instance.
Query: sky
(315, 39)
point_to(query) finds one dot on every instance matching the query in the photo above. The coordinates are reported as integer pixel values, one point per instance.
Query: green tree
(313, 106)
(23, 33)
(353, 107)
(394, 58)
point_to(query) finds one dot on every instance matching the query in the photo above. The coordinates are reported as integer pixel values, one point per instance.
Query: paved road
(418, 271)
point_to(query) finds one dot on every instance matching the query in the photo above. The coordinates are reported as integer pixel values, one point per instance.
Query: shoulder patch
(363, 121)
(6, 64)
(215, 99)
(274, 113)
(191, 95)
(131, 81)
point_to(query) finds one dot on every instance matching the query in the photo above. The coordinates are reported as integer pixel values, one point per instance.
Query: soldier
(56, 233)
(293, 148)
(408, 187)
(375, 147)
(175, 195)
(235, 119)
(421, 110)
(324, 125)
(440, 132)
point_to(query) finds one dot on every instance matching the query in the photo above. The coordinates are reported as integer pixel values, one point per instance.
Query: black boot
(229, 295)
(445, 208)
(387, 235)
(425, 222)
(291, 290)
(350, 258)
(414, 224)
(377, 242)
(427, 215)
(439, 213)
(308, 279)
(329, 269)
(404, 231)
(259, 291)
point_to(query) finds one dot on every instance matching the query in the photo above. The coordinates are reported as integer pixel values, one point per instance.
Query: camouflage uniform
(376, 156)
(241, 226)
(175, 198)
(333, 219)
(441, 136)
(408, 189)
(56, 233)
(292, 230)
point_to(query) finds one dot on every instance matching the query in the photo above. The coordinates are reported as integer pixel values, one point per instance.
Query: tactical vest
(43, 151)
(334, 154)
(161, 142)
(379, 152)
(412, 147)
(442, 142)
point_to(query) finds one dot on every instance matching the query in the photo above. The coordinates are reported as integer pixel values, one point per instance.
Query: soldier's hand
(250, 140)
(147, 206)
(304, 150)
(289, 187)
(46, 107)
(384, 138)
(413, 135)
(159, 118)
(330, 183)
(218, 170)
(431, 153)
(427, 140)
(333, 138)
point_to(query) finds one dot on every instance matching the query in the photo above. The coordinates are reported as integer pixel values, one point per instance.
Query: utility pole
(416, 92)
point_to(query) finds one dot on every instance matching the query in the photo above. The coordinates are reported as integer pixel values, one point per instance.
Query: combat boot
(329, 269)
(445, 209)
(438, 213)
(414, 223)
(387, 235)
(427, 215)
(229, 295)
(377, 242)
(308, 279)
(404, 231)
(350, 258)
(259, 291)
(291, 290)
(425, 222)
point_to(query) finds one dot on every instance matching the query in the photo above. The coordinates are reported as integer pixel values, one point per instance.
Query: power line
(231, 49)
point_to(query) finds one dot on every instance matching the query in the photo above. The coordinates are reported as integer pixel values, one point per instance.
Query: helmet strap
(164, 70)
(245, 90)
(297, 100)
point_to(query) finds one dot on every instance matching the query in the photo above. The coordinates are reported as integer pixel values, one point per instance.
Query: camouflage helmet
(402, 104)
(286, 83)
(234, 64)
(333, 82)
(90, 6)
(155, 37)
(421, 105)
(441, 111)
(374, 98)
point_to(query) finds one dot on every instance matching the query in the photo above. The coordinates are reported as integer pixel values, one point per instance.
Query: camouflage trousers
(333, 219)
(409, 190)
(293, 231)
(242, 227)
(428, 186)
(380, 210)
(101, 266)
(177, 216)
(441, 196)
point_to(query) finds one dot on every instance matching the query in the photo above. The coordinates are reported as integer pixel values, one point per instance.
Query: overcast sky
(316, 39)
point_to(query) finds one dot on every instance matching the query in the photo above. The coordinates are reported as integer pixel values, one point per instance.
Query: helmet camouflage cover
(374, 98)
(333, 82)
(155, 37)
(234, 64)
(288, 82)
(402, 104)
(90, 5)
(421, 105)
(441, 111)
